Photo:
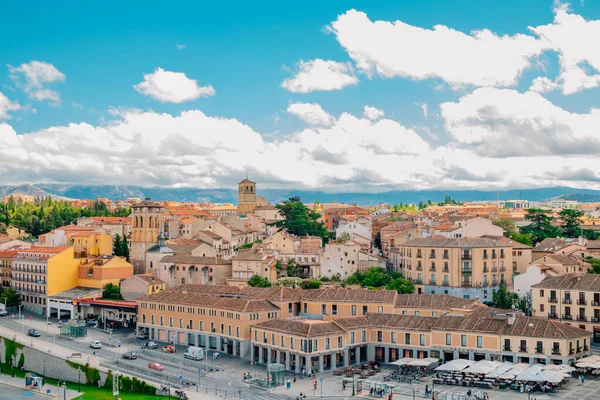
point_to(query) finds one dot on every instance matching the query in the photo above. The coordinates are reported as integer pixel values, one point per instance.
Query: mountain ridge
(226, 195)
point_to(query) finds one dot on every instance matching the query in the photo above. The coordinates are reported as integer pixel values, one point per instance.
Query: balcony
(445, 283)
(446, 270)
(467, 284)
(571, 352)
(419, 281)
(596, 304)
(419, 268)
(567, 316)
(419, 255)
(432, 282)
(552, 315)
(506, 348)
(579, 349)
(502, 282)
(539, 350)
(502, 269)
(494, 269)
(485, 256)
(585, 348)
(445, 256)
(555, 351)
(581, 318)
(467, 271)
(465, 256)
(567, 301)
(552, 300)
(581, 302)
(432, 269)
(523, 349)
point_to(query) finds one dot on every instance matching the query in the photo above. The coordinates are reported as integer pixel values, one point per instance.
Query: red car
(156, 366)
(169, 349)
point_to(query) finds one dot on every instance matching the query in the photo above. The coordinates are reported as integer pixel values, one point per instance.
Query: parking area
(15, 392)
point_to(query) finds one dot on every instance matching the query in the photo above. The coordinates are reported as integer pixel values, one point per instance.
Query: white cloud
(395, 49)
(574, 39)
(36, 75)
(424, 108)
(181, 46)
(542, 84)
(311, 113)
(373, 113)
(6, 106)
(506, 123)
(320, 75)
(172, 87)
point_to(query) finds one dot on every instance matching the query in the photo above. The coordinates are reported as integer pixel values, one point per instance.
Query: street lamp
(79, 379)
(353, 392)
(13, 365)
(22, 320)
(44, 376)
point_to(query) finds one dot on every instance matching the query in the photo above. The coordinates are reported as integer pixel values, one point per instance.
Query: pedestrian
(469, 392)
(294, 378)
(579, 381)
(343, 385)
(426, 390)
(582, 379)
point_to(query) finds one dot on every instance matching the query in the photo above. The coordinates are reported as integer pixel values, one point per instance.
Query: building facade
(147, 223)
(246, 197)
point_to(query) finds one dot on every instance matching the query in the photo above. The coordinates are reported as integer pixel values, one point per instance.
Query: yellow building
(97, 272)
(90, 244)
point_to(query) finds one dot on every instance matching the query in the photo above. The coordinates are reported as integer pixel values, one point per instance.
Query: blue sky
(245, 50)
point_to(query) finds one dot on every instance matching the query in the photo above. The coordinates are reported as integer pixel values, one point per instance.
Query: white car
(96, 344)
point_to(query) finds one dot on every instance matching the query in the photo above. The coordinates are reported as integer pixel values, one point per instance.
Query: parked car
(150, 345)
(130, 355)
(34, 333)
(3, 313)
(96, 344)
(156, 366)
(92, 322)
(169, 349)
(143, 335)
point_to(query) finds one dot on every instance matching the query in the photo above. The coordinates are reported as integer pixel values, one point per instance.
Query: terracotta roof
(349, 295)
(301, 328)
(149, 278)
(504, 239)
(551, 245)
(210, 234)
(437, 301)
(8, 253)
(182, 249)
(571, 281)
(84, 234)
(454, 242)
(45, 250)
(187, 220)
(411, 322)
(184, 259)
(249, 255)
(558, 258)
(593, 244)
(75, 228)
(276, 293)
(189, 298)
(184, 242)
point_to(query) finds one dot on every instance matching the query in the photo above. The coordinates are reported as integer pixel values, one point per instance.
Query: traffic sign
(321, 379)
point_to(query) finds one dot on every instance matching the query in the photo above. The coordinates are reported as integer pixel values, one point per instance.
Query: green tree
(590, 234)
(117, 247)
(299, 220)
(258, 281)
(401, 286)
(125, 249)
(310, 284)
(594, 265)
(541, 226)
(377, 241)
(571, 221)
(112, 292)
(13, 298)
(344, 237)
(292, 268)
(502, 298)
(375, 277)
(509, 226)
(354, 279)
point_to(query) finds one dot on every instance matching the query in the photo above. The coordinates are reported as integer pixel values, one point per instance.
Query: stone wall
(55, 367)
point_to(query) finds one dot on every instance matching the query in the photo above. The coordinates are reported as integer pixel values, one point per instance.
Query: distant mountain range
(113, 192)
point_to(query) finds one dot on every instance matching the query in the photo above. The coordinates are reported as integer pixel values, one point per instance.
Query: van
(194, 353)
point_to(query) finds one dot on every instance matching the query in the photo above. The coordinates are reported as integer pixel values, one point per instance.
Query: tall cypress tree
(117, 246)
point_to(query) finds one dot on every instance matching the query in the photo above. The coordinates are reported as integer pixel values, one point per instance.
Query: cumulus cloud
(505, 123)
(424, 108)
(579, 56)
(320, 75)
(33, 77)
(311, 113)
(542, 84)
(393, 49)
(6, 106)
(373, 113)
(180, 46)
(172, 87)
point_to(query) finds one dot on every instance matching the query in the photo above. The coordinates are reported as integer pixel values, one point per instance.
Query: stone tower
(147, 223)
(246, 196)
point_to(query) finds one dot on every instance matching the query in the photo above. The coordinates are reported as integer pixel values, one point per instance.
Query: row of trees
(45, 214)
(543, 225)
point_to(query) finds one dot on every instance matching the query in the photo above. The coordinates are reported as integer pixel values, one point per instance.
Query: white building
(472, 228)
(340, 258)
(532, 276)
(360, 226)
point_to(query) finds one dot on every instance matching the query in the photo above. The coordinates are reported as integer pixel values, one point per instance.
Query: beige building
(341, 259)
(573, 299)
(141, 285)
(464, 267)
(246, 197)
(250, 262)
(178, 270)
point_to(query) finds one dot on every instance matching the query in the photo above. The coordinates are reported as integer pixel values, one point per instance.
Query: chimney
(511, 318)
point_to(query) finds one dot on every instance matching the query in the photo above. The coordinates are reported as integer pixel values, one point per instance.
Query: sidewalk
(54, 390)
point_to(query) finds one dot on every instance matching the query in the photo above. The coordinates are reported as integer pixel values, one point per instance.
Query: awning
(482, 367)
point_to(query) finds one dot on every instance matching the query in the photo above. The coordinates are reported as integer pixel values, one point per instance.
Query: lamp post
(12, 364)
(44, 376)
(79, 379)
(353, 392)
(22, 321)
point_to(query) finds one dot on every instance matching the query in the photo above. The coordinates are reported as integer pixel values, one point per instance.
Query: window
(340, 342)
(323, 309)
(363, 336)
(379, 336)
(365, 309)
(380, 309)
(292, 343)
(351, 337)
(463, 340)
(256, 336)
(327, 345)
(479, 342)
(290, 308)
(353, 310)
(417, 312)
(237, 331)
(170, 321)
(448, 339)
(282, 341)
(334, 309)
(393, 337)
(407, 338)
(542, 292)
(305, 308)
(541, 308)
